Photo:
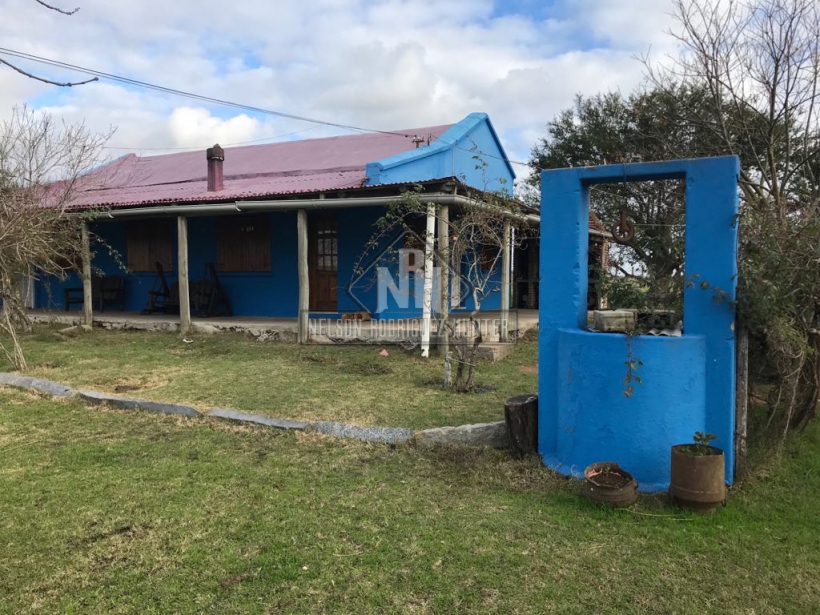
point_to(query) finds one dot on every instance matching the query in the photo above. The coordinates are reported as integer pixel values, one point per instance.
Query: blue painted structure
(688, 382)
(275, 293)
(470, 151)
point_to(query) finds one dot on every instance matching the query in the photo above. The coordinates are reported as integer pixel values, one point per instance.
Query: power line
(218, 101)
(192, 148)
(191, 95)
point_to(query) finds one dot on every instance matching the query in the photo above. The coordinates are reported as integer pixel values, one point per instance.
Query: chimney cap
(215, 153)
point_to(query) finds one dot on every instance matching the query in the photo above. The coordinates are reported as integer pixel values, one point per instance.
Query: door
(324, 263)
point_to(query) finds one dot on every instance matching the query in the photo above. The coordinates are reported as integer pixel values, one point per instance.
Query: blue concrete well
(687, 383)
(597, 422)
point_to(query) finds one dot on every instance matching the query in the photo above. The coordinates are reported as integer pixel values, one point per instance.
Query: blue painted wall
(252, 294)
(268, 294)
(469, 150)
(688, 382)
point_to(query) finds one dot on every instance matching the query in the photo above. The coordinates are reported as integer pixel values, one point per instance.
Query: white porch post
(304, 280)
(182, 275)
(427, 306)
(444, 277)
(85, 246)
(505, 283)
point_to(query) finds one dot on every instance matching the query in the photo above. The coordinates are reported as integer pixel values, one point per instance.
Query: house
(281, 226)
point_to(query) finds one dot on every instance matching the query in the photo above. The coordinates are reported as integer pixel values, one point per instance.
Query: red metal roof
(251, 171)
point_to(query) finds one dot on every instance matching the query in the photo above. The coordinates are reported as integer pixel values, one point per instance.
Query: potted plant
(698, 475)
(606, 482)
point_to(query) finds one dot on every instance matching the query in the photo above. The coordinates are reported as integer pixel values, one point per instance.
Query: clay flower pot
(607, 483)
(698, 477)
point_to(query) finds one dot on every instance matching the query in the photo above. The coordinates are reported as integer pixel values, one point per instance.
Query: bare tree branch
(58, 9)
(62, 84)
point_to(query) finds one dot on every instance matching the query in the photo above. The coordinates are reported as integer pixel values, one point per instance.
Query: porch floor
(331, 330)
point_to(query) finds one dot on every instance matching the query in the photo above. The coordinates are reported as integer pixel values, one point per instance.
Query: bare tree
(759, 63)
(41, 164)
(62, 84)
(476, 232)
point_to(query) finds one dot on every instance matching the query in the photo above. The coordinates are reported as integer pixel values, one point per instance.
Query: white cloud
(191, 127)
(375, 63)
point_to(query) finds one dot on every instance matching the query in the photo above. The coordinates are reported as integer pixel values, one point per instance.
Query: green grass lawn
(342, 383)
(116, 512)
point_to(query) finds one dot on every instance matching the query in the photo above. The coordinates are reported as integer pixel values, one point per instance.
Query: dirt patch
(124, 388)
(371, 369)
(529, 369)
(437, 383)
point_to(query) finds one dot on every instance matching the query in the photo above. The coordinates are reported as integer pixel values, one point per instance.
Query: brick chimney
(215, 155)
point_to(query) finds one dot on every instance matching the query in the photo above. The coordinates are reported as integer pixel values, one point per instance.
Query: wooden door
(324, 263)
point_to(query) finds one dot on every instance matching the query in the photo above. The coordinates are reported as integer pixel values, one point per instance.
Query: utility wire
(193, 148)
(218, 101)
(200, 97)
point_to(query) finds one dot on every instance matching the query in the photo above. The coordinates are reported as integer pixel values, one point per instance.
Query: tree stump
(521, 416)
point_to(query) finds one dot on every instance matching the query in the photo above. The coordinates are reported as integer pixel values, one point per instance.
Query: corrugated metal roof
(254, 171)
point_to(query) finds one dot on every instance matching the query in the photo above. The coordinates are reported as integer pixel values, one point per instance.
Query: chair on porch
(108, 290)
(208, 297)
(162, 298)
(105, 290)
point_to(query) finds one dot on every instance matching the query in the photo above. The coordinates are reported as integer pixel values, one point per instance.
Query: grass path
(343, 383)
(114, 512)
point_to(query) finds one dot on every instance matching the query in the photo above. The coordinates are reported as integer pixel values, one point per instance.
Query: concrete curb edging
(388, 435)
(127, 403)
(257, 419)
(479, 434)
(38, 384)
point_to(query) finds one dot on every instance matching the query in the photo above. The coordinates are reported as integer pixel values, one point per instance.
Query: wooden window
(243, 243)
(488, 256)
(150, 242)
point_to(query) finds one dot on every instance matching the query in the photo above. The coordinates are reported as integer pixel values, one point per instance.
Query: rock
(13, 380)
(52, 388)
(128, 403)
(75, 329)
(390, 435)
(268, 421)
(478, 434)
(36, 384)
(204, 329)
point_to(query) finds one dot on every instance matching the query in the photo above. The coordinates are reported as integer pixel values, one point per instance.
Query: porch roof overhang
(238, 207)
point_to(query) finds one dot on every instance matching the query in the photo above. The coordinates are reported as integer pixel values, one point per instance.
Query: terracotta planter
(607, 483)
(698, 481)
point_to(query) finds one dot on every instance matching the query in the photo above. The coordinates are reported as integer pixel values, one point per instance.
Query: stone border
(480, 434)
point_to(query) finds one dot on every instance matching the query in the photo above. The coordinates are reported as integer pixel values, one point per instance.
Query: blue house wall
(266, 294)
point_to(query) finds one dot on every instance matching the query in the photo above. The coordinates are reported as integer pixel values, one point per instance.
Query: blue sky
(383, 64)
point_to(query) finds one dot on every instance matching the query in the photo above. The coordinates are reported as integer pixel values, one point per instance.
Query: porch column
(85, 246)
(304, 280)
(427, 305)
(182, 273)
(444, 277)
(505, 282)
